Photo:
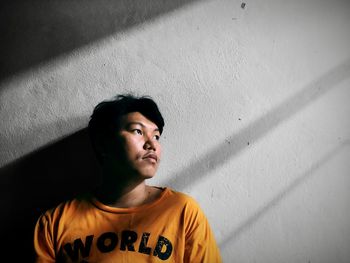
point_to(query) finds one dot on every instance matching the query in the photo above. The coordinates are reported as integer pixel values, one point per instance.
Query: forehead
(138, 118)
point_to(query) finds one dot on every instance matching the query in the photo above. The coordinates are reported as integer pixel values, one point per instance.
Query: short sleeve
(200, 245)
(43, 241)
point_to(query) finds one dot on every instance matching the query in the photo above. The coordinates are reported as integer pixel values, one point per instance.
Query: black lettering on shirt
(107, 242)
(128, 239)
(78, 246)
(159, 249)
(143, 244)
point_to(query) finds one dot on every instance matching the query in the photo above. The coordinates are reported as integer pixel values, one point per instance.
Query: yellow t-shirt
(173, 228)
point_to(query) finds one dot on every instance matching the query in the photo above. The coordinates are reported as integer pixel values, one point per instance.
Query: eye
(137, 131)
(157, 137)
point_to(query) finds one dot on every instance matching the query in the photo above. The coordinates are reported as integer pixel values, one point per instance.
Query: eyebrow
(139, 123)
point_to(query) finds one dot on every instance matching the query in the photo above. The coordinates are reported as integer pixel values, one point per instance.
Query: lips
(150, 156)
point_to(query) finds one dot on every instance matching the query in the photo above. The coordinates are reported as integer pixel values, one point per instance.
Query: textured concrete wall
(255, 97)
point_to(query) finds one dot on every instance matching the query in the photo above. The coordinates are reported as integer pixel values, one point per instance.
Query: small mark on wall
(248, 143)
(243, 5)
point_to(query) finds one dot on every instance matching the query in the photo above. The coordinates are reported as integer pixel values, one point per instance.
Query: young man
(125, 220)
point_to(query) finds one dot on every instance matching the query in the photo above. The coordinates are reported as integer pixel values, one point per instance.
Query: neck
(121, 189)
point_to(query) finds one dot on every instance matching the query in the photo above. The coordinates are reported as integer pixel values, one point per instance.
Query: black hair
(106, 117)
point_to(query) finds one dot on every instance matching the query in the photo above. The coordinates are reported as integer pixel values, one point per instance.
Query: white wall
(256, 102)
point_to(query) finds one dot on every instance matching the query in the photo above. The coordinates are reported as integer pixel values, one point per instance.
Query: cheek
(159, 149)
(133, 146)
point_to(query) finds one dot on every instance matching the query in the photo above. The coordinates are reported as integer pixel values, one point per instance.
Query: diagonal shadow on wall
(37, 31)
(66, 168)
(38, 181)
(256, 130)
(307, 175)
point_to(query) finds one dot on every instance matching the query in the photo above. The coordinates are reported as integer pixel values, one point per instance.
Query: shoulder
(180, 197)
(65, 209)
(185, 202)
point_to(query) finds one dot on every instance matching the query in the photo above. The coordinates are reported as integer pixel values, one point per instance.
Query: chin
(147, 177)
(147, 174)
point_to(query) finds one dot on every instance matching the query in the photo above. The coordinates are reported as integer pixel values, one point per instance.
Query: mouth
(151, 157)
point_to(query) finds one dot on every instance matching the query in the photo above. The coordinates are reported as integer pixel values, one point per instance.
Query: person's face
(139, 143)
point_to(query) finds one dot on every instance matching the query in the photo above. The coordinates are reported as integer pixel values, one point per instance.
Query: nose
(149, 143)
